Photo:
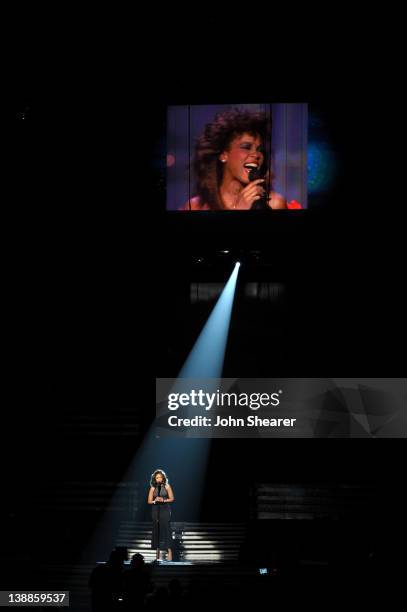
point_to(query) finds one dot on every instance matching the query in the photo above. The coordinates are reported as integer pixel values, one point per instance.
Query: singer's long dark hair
(216, 138)
(153, 482)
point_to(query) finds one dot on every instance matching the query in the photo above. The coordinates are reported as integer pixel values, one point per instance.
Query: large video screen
(237, 157)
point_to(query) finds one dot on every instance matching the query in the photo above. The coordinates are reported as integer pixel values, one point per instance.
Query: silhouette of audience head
(115, 558)
(137, 560)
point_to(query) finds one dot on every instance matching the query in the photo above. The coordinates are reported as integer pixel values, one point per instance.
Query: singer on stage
(231, 165)
(160, 496)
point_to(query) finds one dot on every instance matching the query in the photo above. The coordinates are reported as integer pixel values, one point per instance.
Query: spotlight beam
(207, 355)
(184, 459)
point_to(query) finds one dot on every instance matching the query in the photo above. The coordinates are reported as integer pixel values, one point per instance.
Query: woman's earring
(223, 161)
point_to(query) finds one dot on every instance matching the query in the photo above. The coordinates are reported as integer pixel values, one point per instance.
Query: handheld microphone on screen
(258, 173)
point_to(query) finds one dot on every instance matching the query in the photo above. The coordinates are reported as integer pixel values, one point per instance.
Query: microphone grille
(255, 173)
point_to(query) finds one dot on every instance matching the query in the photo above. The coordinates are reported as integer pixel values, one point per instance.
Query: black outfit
(161, 515)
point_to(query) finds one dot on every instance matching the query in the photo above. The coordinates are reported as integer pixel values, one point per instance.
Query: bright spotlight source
(238, 263)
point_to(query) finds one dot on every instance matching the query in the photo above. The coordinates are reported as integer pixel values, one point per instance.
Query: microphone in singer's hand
(261, 204)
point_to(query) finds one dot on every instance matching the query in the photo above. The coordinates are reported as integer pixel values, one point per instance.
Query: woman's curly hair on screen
(216, 138)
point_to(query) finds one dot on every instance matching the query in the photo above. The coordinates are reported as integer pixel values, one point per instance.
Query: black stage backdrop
(98, 281)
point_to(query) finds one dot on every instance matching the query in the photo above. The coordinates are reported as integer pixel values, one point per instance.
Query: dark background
(97, 279)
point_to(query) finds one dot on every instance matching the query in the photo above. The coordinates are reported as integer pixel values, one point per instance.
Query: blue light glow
(207, 355)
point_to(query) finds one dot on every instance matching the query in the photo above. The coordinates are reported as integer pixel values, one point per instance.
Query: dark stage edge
(56, 576)
(309, 580)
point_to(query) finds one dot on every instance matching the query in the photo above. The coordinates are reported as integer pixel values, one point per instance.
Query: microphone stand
(158, 522)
